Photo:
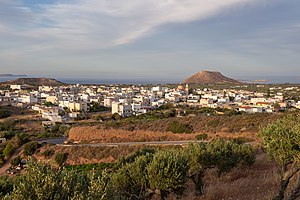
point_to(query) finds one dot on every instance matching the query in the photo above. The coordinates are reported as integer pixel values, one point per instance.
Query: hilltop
(34, 82)
(210, 77)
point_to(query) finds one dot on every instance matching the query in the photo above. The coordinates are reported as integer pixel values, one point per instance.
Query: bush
(116, 116)
(48, 152)
(168, 172)
(60, 158)
(30, 148)
(40, 182)
(6, 185)
(176, 127)
(8, 150)
(15, 161)
(4, 113)
(201, 136)
(7, 125)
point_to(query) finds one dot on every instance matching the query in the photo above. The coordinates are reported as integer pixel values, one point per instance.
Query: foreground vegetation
(141, 175)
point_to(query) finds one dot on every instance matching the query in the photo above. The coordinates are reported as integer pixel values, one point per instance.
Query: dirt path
(6, 165)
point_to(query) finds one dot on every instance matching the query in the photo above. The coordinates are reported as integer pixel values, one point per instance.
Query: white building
(122, 109)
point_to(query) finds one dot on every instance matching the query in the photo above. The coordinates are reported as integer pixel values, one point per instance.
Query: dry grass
(99, 134)
(88, 155)
(258, 182)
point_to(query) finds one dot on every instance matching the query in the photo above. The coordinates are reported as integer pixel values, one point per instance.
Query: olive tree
(130, 180)
(41, 181)
(168, 172)
(220, 154)
(281, 139)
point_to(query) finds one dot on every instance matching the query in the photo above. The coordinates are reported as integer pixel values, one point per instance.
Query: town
(58, 104)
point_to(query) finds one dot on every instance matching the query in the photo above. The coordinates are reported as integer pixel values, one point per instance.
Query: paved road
(135, 143)
(60, 142)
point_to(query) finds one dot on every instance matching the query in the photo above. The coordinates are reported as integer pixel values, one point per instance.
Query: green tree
(281, 139)
(61, 158)
(41, 181)
(8, 150)
(30, 148)
(130, 180)
(168, 172)
(220, 154)
(15, 161)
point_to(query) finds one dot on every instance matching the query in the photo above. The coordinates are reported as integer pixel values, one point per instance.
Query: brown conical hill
(210, 77)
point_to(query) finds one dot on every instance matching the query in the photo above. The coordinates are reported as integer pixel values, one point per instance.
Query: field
(245, 126)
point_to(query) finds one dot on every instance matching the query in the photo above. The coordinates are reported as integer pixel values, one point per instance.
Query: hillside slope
(34, 82)
(210, 77)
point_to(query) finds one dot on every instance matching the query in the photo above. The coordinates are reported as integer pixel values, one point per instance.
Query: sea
(246, 79)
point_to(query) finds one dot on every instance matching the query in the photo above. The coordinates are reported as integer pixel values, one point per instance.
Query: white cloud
(98, 24)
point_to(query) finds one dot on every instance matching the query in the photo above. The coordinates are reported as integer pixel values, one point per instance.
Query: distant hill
(12, 75)
(34, 82)
(210, 77)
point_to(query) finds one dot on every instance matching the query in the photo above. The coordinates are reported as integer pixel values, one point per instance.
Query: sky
(149, 39)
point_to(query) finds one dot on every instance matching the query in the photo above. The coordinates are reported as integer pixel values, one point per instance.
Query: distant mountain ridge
(35, 82)
(13, 75)
(210, 77)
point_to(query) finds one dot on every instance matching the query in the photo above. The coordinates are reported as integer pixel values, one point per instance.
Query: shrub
(9, 149)
(40, 182)
(48, 152)
(60, 158)
(168, 172)
(15, 161)
(281, 139)
(4, 113)
(176, 127)
(116, 116)
(201, 136)
(30, 148)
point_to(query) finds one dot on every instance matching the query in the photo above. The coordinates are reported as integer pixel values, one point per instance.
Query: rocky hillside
(35, 82)
(210, 77)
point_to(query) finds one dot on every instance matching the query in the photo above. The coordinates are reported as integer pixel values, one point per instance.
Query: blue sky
(149, 39)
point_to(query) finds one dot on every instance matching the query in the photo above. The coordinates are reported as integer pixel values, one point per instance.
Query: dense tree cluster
(141, 175)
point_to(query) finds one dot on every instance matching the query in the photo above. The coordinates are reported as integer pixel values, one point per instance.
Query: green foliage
(30, 148)
(96, 107)
(166, 106)
(4, 113)
(48, 104)
(7, 134)
(168, 172)
(202, 136)
(41, 182)
(90, 167)
(132, 157)
(220, 154)
(7, 125)
(177, 127)
(60, 158)
(170, 113)
(131, 180)
(281, 140)
(6, 185)
(9, 149)
(15, 161)
(48, 152)
(139, 176)
(116, 116)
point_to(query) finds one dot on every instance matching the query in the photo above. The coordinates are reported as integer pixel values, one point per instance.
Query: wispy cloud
(100, 24)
